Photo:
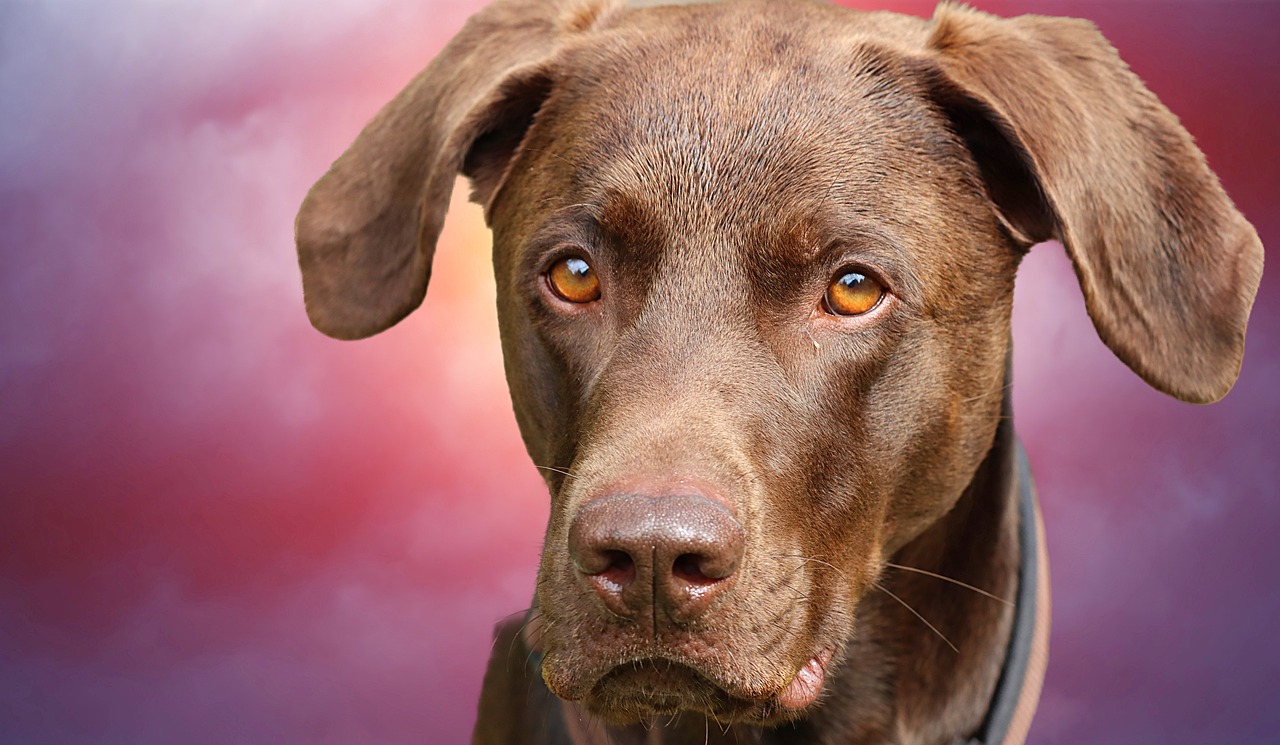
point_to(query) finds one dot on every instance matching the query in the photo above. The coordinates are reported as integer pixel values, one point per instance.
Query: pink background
(217, 525)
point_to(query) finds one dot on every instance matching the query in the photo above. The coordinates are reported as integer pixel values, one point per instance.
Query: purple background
(217, 525)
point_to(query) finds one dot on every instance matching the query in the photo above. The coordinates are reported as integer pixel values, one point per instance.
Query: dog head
(755, 267)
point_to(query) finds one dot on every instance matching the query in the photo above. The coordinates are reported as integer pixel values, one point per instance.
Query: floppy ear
(1073, 147)
(367, 230)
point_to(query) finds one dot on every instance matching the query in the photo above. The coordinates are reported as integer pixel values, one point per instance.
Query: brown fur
(718, 164)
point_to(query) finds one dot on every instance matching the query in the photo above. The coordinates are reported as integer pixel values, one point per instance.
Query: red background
(217, 525)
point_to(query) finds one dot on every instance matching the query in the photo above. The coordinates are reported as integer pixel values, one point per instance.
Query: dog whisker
(984, 417)
(519, 632)
(514, 637)
(724, 727)
(999, 391)
(923, 620)
(831, 189)
(935, 575)
(782, 581)
(563, 471)
(815, 560)
(493, 645)
(529, 658)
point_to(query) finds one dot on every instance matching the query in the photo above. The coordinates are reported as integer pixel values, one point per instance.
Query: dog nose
(679, 552)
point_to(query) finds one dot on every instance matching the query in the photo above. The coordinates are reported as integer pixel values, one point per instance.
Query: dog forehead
(721, 116)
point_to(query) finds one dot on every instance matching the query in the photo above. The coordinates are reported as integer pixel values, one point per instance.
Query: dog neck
(933, 643)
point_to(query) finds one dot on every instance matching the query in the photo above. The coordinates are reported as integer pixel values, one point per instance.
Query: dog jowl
(755, 266)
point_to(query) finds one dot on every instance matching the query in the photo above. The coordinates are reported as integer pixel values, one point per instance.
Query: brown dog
(755, 267)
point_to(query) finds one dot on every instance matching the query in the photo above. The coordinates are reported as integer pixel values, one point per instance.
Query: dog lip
(807, 683)
(800, 692)
(660, 686)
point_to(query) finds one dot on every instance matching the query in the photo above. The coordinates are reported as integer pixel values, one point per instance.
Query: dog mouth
(665, 683)
(806, 684)
(658, 686)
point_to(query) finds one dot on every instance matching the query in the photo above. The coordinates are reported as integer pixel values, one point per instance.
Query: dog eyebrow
(614, 224)
(814, 240)
(594, 217)
(878, 248)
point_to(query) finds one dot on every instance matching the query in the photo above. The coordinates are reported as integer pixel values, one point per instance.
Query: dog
(755, 266)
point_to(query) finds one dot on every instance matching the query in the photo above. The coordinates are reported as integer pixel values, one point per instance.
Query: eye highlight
(852, 294)
(573, 280)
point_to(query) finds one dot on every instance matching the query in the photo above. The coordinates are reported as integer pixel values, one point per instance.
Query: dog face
(755, 269)
(716, 213)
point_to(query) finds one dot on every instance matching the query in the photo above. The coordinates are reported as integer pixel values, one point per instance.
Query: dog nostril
(690, 568)
(634, 551)
(620, 569)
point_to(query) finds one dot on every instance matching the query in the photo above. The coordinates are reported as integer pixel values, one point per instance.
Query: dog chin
(640, 691)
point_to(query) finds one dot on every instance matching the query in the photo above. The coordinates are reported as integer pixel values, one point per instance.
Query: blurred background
(217, 525)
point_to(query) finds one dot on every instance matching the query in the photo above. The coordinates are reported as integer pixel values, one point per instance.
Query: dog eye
(573, 280)
(852, 294)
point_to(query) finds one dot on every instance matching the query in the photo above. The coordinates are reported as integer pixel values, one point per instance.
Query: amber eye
(572, 279)
(852, 294)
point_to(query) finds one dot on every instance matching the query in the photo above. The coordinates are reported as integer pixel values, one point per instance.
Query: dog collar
(1018, 691)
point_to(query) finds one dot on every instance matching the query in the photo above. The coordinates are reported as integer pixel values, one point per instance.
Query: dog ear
(367, 230)
(1073, 147)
